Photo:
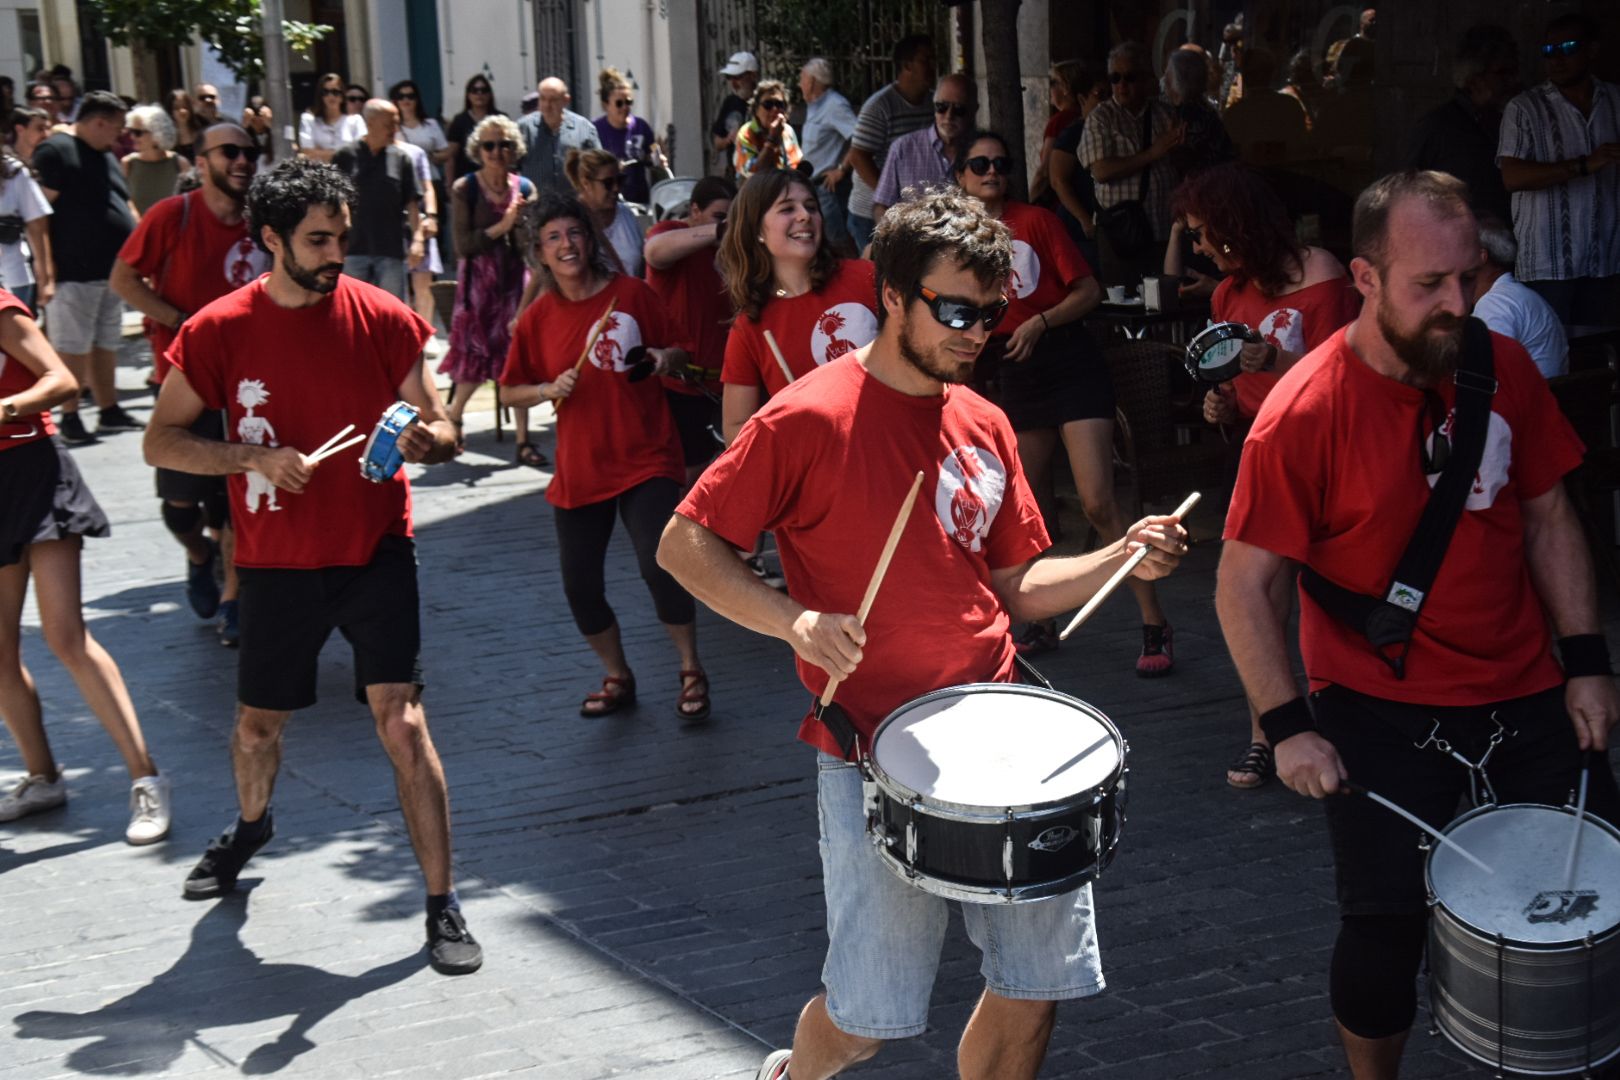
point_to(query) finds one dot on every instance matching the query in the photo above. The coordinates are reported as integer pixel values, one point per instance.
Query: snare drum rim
(389, 427)
(967, 812)
(1219, 332)
(989, 894)
(1488, 938)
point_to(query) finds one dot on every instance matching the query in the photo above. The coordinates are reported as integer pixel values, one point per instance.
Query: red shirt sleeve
(525, 361)
(194, 353)
(658, 330)
(154, 237)
(741, 366)
(1019, 532)
(1067, 260)
(1272, 501)
(748, 489)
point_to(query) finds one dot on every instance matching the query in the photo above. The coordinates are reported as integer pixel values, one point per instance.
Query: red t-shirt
(14, 379)
(612, 434)
(1045, 263)
(1331, 477)
(1060, 120)
(206, 260)
(694, 295)
(814, 329)
(828, 484)
(295, 377)
(1298, 321)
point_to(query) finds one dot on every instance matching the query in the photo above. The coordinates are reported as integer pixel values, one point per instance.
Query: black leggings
(582, 540)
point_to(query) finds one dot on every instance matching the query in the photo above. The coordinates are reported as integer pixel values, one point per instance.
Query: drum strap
(1388, 621)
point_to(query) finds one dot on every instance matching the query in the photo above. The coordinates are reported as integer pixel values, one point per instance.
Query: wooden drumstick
(873, 585)
(787, 372)
(590, 344)
(1580, 815)
(328, 443)
(1122, 573)
(322, 455)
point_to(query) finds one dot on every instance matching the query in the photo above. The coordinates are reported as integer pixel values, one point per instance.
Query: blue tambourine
(382, 458)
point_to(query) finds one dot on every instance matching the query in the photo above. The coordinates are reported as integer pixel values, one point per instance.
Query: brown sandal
(616, 694)
(695, 694)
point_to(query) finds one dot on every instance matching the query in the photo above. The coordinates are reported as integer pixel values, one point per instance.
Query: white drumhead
(1527, 847)
(986, 746)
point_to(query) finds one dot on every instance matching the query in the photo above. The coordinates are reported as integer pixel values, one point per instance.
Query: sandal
(530, 455)
(695, 693)
(461, 436)
(616, 694)
(1254, 768)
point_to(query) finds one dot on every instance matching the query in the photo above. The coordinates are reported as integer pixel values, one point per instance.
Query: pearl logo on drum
(1561, 905)
(1056, 838)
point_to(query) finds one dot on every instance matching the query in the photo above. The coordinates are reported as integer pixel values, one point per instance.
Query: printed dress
(490, 283)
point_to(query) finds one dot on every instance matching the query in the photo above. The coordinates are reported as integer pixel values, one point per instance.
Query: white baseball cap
(739, 63)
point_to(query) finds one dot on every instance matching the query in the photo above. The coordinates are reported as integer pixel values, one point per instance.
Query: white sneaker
(33, 794)
(775, 1066)
(149, 816)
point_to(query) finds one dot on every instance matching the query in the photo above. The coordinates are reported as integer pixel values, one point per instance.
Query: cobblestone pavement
(647, 890)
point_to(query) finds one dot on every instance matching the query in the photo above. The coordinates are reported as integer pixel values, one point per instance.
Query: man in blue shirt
(550, 133)
(829, 121)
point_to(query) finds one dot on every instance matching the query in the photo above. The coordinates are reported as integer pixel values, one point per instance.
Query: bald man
(550, 133)
(927, 156)
(386, 230)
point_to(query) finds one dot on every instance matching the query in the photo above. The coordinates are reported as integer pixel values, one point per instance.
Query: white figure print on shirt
(256, 431)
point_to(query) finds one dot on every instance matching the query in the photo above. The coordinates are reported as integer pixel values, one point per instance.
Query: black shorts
(1065, 380)
(695, 415)
(1376, 859)
(208, 492)
(287, 615)
(43, 497)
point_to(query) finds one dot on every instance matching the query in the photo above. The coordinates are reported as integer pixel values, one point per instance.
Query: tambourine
(382, 458)
(1215, 354)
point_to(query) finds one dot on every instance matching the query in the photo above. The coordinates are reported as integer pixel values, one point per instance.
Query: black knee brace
(181, 520)
(1373, 985)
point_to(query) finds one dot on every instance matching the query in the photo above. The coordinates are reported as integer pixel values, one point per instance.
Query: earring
(762, 238)
(1226, 249)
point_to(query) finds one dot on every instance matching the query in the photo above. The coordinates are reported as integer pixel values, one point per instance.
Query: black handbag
(11, 229)
(1126, 224)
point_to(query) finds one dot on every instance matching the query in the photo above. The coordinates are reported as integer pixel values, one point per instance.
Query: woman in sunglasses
(618, 454)
(767, 141)
(1054, 384)
(598, 179)
(177, 104)
(785, 278)
(625, 135)
(326, 125)
(154, 169)
(487, 207)
(427, 135)
(477, 103)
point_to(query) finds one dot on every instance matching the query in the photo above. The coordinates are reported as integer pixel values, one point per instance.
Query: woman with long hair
(626, 136)
(1294, 295)
(22, 199)
(177, 104)
(786, 279)
(767, 140)
(477, 103)
(598, 178)
(407, 99)
(487, 208)
(154, 169)
(1067, 84)
(48, 513)
(326, 124)
(617, 450)
(1053, 382)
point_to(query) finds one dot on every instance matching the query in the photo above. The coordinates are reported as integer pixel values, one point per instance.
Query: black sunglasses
(1123, 76)
(981, 165)
(610, 182)
(1193, 233)
(355, 97)
(775, 104)
(233, 151)
(331, 92)
(1563, 48)
(941, 108)
(478, 90)
(503, 144)
(624, 103)
(959, 314)
(1434, 460)
(405, 95)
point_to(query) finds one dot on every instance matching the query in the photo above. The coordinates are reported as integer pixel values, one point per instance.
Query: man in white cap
(742, 75)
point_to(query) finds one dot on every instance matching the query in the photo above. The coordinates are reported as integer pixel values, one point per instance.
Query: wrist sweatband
(1286, 721)
(1584, 654)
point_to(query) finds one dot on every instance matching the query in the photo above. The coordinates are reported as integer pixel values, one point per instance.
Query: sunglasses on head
(493, 145)
(1563, 48)
(959, 314)
(775, 105)
(981, 165)
(233, 151)
(943, 108)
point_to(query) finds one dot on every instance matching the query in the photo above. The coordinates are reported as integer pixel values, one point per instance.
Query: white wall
(12, 62)
(493, 37)
(390, 46)
(635, 37)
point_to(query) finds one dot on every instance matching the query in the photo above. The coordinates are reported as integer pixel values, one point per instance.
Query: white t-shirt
(315, 133)
(625, 236)
(20, 197)
(1515, 310)
(428, 135)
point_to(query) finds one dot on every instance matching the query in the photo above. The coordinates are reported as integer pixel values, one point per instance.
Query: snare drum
(1523, 974)
(382, 458)
(1215, 354)
(995, 793)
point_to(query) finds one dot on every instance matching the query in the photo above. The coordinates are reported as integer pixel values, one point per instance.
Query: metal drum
(1215, 354)
(1524, 974)
(382, 458)
(995, 793)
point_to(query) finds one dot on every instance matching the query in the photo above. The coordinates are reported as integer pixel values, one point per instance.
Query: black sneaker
(451, 948)
(73, 432)
(202, 589)
(230, 632)
(215, 874)
(114, 418)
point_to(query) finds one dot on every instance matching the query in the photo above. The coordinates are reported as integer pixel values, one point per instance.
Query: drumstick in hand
(1122, 573)
(590, 344)
(787, 372)
(326, 452)
(328, 443)
(873, 585)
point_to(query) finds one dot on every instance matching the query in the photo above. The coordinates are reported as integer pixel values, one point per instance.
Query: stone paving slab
(648, 890)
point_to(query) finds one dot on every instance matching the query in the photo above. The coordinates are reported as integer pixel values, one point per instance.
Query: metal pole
(277, 83)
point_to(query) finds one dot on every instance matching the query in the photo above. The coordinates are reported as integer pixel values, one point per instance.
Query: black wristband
(1584, 654)
(1286, 721)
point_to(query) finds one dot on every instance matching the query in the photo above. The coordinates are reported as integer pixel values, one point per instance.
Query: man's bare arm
(668, 248)
(864, 164)
(1042, 588)
(168, 444)
(133, 290)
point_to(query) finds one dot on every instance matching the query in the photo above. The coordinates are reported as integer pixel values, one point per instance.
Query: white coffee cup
(1116, 294)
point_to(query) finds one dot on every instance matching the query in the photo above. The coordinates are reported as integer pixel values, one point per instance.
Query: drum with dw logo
(1524, 967)
(995, 793)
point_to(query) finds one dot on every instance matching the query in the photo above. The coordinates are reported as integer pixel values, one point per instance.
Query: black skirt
(45, 498)
(1066, 379)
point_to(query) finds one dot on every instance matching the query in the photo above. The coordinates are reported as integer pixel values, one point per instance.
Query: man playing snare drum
(826, 466)
(1336, 473)
(292, 358)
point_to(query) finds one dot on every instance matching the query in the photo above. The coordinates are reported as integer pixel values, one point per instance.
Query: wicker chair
(1162, 466)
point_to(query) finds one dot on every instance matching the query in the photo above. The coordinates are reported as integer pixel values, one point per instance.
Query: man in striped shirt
(898, 109)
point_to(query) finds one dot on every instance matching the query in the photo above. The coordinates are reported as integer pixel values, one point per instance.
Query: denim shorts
(886, 935)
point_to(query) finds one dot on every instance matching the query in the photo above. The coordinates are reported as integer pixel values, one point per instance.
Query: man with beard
(898, 406)
(188, 251)
(1335, 475)
(292, 358)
